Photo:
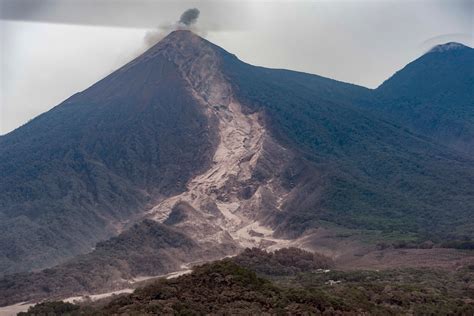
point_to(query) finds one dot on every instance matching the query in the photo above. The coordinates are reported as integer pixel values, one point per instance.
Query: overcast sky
(51, 49)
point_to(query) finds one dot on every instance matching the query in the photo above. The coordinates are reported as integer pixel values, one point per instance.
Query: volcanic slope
(83, 171)
(224, 206)
(229, 154)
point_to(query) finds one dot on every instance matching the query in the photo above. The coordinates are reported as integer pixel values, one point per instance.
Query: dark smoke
(189, 17)
(186, 22)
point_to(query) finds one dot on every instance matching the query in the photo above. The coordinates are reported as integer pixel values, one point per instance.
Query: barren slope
(226, 206)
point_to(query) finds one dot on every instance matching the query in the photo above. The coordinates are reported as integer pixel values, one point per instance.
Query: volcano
(434, 95)
(187, 154)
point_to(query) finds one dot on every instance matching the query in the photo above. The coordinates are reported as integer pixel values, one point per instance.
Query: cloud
(125, 13)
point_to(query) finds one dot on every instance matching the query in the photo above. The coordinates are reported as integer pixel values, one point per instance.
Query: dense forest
(288, 281)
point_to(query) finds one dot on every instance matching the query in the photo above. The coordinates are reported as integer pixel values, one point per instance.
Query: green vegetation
(434, 96)
(225, 287)
(287, 261)
(53, 309)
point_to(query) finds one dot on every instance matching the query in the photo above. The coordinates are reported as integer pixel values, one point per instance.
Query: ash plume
(189, 17)
(186, 21)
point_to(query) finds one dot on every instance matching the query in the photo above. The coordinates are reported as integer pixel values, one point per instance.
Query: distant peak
(447, 47)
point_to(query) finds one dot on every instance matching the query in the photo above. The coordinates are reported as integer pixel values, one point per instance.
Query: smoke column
(186, 22)
(189, 17)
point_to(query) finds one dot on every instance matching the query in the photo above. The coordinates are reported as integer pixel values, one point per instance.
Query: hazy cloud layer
(124, 13)
(51, 49)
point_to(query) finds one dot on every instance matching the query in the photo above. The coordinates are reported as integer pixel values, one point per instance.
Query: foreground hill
(300, 284)
(147, 248)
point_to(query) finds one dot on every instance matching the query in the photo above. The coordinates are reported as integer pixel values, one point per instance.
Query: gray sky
(51, 49)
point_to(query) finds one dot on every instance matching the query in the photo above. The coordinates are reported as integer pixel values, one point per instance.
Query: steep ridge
(146, 248)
